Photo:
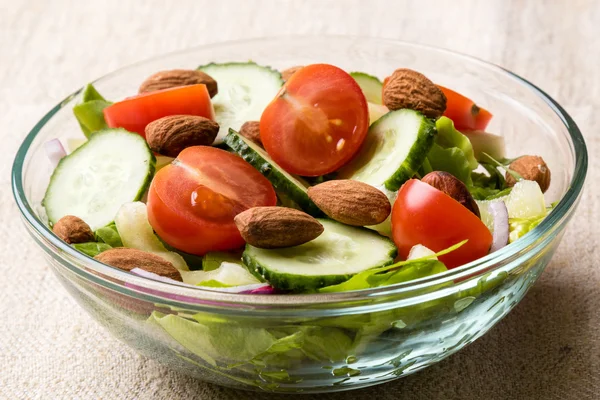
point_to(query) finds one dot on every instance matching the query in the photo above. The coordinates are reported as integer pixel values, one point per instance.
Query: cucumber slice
(396, 146)
(245, 90)
(370, 85)
(334, 257)
(112, 168)
(293, 187)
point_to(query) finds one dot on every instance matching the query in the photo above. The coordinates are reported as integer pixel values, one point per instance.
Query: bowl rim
(186, 294)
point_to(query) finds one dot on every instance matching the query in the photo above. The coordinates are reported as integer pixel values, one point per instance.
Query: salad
(236, 177)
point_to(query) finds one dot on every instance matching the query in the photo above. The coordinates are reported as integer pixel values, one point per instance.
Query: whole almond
(453, 187)
(531, 168)
(406, 88)
(169, 135)
(275, 227)
(351, 202)
(128, 259)
(73, 229)
(287, 73)
(178, 77)
(251, 130)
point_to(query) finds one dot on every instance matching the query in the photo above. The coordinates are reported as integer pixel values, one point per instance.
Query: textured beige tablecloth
(547, 348)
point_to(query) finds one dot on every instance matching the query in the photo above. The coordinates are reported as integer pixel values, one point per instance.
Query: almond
(251, 130)
(128, 259)
(178, 77)
(531, 168)
(169, 135)
(275, 227)
(453, 187)
(406, 88)
(287, 73)
(351, 202)
(73, 229)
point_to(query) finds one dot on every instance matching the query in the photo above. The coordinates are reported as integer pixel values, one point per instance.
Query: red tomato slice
(464, 112)
(134, 113)
(192, 202)
(317, 122)
(425, 215)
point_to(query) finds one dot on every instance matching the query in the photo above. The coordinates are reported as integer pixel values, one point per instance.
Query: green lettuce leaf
(213, 259)
(448, 137)
(109, 235)
(409, 271)
(451, 160)
(518, 227)
(489, 185)
(92, 249)
(90, 112)
(213, 283)
(399, 272)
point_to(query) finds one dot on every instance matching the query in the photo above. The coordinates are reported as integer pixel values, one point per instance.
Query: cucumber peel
(370, 85)
(112, 168)
(293, 187)
(334, 257)
(395, 148)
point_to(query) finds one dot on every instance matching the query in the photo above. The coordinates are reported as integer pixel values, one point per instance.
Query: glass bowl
(332, 342)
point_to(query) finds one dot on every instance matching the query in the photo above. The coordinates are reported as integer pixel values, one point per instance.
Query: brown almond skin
(531, 168)
(277, 227)
(251, 130)
(453, 187)
(178, 77)
(73, 229)
(287, 73)
(406, 88)
(128, 259)
(351, 202)
(169, 135)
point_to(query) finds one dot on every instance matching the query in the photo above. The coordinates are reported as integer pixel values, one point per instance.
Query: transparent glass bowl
(319, 343)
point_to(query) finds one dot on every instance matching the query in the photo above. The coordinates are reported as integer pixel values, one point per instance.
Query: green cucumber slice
(245, 90)
(112, 168)
(396, 146)
(334, 257)
(293, 187)
(370, 85)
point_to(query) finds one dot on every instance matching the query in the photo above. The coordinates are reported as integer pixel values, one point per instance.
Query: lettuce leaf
(213, 259)
(451, 152)
(448, 137)
(451, 160)
(518, 227)
(92, 249)
(489, 185)
(109, 235)
(90, 112)
(411, 270)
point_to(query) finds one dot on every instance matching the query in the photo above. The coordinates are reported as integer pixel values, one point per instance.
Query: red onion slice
(499, 213)
(54, 151)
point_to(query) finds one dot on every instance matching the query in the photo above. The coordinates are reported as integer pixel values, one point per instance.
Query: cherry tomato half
(134, 113)
(317, 122)
(425, 215)
(464, 112)
(192, 202)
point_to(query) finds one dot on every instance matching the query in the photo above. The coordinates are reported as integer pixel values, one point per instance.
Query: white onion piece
(420, 251)
(152, 275)
(499, 213)
(54, 151)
